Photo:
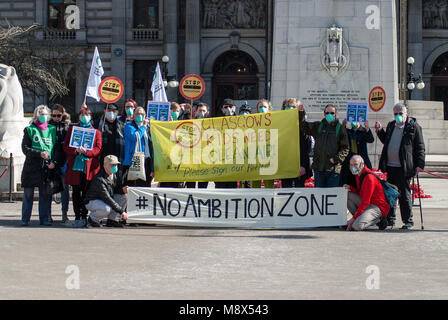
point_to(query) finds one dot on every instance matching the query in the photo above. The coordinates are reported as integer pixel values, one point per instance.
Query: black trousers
(396, 177)
(298, 182)
(201, 185)
(78, 195)
(226, 184)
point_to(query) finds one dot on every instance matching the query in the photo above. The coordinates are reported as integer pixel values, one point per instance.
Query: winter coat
(61, 131)
(327, 144)
(412, 147)
(102, 188)
(115, 129)
(130, 140)
(33, 173)
(92, 165)
(362, 137)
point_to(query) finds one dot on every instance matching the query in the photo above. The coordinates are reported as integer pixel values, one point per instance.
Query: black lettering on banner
(162, 205)
(314, 201)
(141, 203)
(270, 211)
(204, 203)
(245, 208)
(190, 202)
(227, 209)
(291, 194)
(215, 207)
(258, 208)
(307, 206)
(329, 204)
(236, 206)
(178, 207)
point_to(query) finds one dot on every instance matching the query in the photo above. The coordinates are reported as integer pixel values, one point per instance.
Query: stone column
(170, 46)
(118, 45)
(415, 41)
(192, 37)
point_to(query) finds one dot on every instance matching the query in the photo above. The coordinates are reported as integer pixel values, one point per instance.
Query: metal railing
(145, 34)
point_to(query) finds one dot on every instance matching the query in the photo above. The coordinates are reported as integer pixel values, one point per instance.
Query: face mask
(355, 171)
(130, 112)
(140, 118)
(289, 108)
(114, 169)
(43, 118)
(263, 109)
(174, 115)
(227, 112)
(244, 113)
(85, 119)
(201, 115)
(399, 118)
(329, 117)
(354, 124)
(111, 115)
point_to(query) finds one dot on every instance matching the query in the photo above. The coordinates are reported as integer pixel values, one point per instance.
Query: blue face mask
(244, 113)
(174, 115)
(289, 108)
(329, 117)
(140, 118)
(85, 119)
(114, 169)
(399, 118)
(354, 124)
(43, 118)
(130, 112)
(263, 109)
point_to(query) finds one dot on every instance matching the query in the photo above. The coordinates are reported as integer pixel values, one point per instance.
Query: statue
(11, 113)
(335, 52)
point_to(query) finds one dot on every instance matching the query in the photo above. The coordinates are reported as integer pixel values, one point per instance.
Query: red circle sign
(377, 99)
(110, 89)
(192, 87)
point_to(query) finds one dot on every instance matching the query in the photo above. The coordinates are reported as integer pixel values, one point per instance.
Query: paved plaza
(157, 262)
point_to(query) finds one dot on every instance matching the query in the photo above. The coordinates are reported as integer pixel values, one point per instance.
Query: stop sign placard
(110, 89)
(192, 87)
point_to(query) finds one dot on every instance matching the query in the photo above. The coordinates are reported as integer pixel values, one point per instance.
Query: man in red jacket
(367, 202)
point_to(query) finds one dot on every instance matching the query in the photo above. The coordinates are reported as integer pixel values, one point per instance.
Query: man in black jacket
(402, 157)
(106, 196)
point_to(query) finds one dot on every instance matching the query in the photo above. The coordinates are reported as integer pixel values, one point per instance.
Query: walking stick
(420, 202)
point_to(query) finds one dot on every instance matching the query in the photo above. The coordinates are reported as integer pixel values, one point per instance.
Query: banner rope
(3, 172)
(435, 175)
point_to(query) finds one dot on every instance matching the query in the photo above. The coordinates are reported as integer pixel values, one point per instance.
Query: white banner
(157, 87)
(96, 72)
(243, 208)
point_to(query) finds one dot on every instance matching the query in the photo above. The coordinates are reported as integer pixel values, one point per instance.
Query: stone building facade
(227, 42)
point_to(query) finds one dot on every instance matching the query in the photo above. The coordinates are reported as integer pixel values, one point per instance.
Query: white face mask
(227, 111)
(110, 115)
(200, 115)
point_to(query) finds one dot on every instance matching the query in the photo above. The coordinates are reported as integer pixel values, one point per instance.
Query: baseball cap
(111, 159)
(228, 101)
(111, 107)
(245, 107)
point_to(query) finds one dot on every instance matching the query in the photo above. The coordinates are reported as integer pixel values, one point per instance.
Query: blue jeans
(326, 179)
(44, 205)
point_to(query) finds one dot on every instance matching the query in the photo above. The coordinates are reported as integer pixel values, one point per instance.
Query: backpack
(391, 193)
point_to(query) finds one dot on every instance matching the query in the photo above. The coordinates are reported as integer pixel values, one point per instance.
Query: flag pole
(104, 120)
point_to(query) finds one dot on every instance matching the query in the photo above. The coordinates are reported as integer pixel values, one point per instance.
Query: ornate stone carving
(334, 52)
(232, 14)
(435, 14)
(11, 112)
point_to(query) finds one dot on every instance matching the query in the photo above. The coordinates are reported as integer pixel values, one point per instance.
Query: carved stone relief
(435, 14)
(231, 14)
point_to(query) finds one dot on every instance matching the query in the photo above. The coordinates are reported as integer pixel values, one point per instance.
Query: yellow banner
(258, 146)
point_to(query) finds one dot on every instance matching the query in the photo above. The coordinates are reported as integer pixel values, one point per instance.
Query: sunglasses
(398, 113)
(330, 113)
(56, 115)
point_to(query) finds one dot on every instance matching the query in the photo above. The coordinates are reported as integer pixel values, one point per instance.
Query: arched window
(440, 66)
(235, 62)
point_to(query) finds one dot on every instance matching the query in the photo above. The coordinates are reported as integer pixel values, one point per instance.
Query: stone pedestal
(331, 51)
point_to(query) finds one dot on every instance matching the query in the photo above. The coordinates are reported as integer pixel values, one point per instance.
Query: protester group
(99, 178)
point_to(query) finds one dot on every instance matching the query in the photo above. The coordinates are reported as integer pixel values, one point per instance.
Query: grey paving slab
(153, 262)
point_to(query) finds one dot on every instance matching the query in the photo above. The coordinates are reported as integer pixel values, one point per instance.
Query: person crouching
(367, 202)
(103, 198)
